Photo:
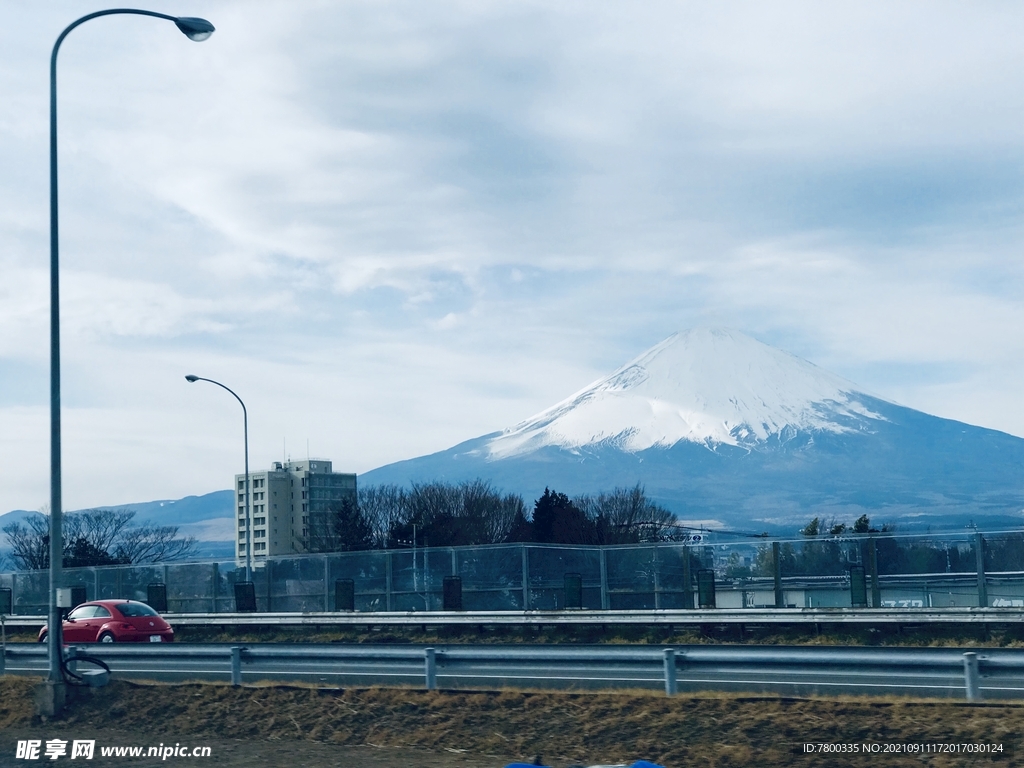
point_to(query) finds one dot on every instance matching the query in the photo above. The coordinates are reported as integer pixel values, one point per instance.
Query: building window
(260, 545)
(259, 534)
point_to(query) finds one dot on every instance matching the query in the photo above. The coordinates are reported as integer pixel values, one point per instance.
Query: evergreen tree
(556, 520)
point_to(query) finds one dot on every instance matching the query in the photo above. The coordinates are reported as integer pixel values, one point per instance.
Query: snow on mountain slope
(708, 386)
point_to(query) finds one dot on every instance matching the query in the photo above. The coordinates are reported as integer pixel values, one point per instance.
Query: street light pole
(245, 422)
(197, 30)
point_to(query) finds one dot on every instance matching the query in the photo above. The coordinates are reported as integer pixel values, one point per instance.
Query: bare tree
(95, 537)
(29, 543)
(153, 544)
(626, 516)
(384, 508)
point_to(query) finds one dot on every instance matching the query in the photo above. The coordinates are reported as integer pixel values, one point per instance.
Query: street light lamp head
(192, 378)
(194, 29)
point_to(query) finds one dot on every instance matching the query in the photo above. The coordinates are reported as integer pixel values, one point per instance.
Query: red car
(114, 621)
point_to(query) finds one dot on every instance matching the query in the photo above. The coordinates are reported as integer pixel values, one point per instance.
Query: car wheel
(106, 637)
(42, 638)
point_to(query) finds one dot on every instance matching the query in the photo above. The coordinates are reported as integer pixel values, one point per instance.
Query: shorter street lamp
(245, 422)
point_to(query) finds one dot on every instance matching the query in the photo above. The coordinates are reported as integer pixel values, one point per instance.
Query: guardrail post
(780, 598)
(236, 665)
(971, 684)
(430, 668)
(670, 672)
(979, 557)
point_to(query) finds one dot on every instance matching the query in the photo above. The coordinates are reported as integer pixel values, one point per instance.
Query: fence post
(526, 577)
(780, 598)
(876, 590)
(687, 580)
(979, 556)
(327, 586)
(387, 579)
(657, 581)
(671, 687)
(430, 668)
(216, 580)
(706, 588)
(858, 588)
(603, 562)
(973, 689)
(236, 665)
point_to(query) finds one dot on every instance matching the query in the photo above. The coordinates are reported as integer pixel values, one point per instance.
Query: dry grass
(920, 635)
(707, 729)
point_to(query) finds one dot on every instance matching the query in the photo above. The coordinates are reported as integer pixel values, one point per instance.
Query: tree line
(96, 537)
(440, 514)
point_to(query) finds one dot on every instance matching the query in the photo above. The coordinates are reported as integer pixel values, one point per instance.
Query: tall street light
(194, 29)
(245, 425)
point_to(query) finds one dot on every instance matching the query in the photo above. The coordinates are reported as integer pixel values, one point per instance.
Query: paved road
(720, 668)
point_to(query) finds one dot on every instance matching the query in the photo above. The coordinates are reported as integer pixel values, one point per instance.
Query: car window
(82, 612)
(101, 613)
(135, 609)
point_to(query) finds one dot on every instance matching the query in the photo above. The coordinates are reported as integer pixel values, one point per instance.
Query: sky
(394, 226)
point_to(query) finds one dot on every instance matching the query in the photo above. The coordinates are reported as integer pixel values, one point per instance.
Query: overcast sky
(394, 226)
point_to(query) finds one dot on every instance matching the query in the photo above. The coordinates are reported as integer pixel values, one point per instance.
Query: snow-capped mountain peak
(709, 386)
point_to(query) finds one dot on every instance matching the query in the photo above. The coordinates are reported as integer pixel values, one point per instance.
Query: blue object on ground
(644, 764)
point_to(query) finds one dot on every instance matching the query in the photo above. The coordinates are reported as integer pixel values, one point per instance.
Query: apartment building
(283, 501)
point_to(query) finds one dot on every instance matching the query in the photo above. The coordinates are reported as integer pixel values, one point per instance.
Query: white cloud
(398, 225)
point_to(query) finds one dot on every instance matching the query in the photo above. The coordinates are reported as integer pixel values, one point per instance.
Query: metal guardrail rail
(717, 616)
(887, 662)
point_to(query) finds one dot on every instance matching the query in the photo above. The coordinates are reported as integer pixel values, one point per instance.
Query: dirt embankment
(491, 728)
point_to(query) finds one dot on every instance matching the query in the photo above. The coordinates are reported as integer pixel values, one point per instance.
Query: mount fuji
(723, 429)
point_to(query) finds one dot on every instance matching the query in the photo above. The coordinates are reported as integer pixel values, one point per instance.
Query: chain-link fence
(962, 569)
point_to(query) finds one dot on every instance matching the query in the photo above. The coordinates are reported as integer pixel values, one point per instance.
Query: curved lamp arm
(245, 421)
